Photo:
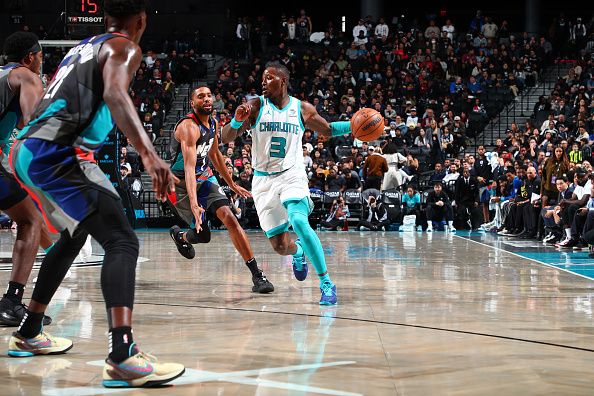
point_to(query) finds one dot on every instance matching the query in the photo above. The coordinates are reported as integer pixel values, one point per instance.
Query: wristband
(236, 124)
(340, 128)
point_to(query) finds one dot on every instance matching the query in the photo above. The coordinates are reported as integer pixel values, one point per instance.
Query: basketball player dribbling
(20, 91)
(195, 145)
(53, 158)
(280, 185)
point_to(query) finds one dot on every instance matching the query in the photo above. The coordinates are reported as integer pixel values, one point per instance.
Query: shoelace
(147, 356)
(299, 263)
(261, 278)
(327, 288)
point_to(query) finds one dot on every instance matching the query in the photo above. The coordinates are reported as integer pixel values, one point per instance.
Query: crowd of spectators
(435, 85)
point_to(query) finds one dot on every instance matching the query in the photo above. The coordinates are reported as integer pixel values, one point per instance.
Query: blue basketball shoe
(299, 264)
(328, 290)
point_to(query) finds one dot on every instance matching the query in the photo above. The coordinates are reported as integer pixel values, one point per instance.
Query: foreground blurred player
(53, 157)
(20, 91)
(195, 145)
(280, 185)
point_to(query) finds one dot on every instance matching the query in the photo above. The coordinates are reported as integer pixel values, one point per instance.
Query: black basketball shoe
(261, 284)
(12, 314)
(184, 248)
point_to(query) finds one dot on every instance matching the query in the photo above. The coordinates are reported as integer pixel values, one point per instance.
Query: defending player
(195, 146)
(53, 157)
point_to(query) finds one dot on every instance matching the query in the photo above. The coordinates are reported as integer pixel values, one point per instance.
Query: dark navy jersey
(10, 108)
(72, 111)
(203, 145)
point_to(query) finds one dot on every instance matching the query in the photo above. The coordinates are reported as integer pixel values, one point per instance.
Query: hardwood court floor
(418, 314)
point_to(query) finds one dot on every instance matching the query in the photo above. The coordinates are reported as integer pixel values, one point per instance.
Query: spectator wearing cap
(412, 120)
(125, 173)
(458, 129)
(359, 28)
(392, 129)
(374, 168)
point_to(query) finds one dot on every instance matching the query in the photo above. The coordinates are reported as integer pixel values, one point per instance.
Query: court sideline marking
(525, 258)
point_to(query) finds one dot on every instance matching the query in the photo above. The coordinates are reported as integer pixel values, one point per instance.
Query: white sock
(429, 223)
(451, 223)
(568, 233)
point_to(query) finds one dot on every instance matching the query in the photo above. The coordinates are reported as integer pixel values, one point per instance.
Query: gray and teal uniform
(11, 193)
(210, 194)
(54, 154)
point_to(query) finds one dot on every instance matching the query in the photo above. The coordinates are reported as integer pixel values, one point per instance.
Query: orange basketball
(367, 125)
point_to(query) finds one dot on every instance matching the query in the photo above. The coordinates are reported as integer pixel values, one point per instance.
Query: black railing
(522, 108)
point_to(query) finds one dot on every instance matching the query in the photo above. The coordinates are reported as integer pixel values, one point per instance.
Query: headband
(16, 57)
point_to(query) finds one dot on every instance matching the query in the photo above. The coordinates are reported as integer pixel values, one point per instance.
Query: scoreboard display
(84, 12)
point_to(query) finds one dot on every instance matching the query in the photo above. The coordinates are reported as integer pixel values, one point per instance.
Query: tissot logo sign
(81, 19)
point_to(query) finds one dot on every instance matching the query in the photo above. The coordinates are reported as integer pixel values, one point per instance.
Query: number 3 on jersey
(277, 147)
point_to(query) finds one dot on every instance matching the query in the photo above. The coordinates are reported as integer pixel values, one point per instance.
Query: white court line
(526, 258)
(192, 376)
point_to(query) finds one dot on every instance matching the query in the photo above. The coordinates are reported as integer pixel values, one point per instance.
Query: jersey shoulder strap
(189, 116)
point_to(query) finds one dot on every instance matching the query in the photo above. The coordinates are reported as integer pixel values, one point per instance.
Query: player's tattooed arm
(188, 133)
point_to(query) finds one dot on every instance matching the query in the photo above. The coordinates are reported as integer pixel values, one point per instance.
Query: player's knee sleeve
(198, 237)
(298, 215)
